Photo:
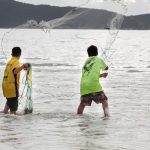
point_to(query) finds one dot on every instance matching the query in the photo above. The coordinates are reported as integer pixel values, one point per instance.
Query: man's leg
(13, 112)
(105, 108)
(81, 109)
(6, 108)
(13, 104)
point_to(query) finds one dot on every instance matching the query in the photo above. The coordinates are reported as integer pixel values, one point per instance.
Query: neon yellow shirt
(10, 83)
(90, 75)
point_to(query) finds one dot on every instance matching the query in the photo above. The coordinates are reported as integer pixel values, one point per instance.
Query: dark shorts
(96, 97)
(12, 103)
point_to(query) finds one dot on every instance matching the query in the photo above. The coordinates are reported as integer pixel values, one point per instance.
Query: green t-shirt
(90, 75)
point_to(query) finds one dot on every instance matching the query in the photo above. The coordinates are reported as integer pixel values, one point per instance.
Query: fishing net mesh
(28, 104)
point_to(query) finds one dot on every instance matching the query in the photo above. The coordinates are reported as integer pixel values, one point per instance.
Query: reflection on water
(81, 130)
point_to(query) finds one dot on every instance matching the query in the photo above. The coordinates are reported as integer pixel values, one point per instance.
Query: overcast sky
(134, 6)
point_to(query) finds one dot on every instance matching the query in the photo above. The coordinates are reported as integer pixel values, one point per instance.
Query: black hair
(92, 51)
(16, 52)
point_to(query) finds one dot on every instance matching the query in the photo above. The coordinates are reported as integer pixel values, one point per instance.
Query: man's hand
(103, 75)
(26, 66)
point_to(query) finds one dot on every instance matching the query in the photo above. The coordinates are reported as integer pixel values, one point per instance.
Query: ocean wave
(2, 63)
(36, 58)
(129, 67)
(53, 65)
(47, 64)
(135, 71)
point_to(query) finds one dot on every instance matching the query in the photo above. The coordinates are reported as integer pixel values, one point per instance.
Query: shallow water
(57, 59)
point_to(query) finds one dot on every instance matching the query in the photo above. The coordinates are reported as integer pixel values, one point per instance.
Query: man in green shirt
(90, 88)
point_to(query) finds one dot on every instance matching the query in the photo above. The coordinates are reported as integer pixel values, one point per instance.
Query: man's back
(90, 88)
(10, 79)
(90, 75)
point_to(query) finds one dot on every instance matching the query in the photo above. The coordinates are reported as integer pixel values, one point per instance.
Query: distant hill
(139, 22)
(13, 13)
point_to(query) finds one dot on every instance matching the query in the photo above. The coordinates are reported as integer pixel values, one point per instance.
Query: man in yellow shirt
(10, 84)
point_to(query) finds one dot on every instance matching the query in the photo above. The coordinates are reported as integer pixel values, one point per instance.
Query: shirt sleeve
(102, 64)
(15, 65)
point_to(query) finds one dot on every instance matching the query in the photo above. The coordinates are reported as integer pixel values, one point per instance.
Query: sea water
(57, 57)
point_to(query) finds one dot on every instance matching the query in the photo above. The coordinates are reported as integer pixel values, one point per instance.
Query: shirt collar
(15, 58)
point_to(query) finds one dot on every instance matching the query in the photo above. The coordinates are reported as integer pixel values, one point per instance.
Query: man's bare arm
(24, 66)
(105, 74)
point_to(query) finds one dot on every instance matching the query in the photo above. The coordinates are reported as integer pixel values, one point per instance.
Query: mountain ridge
(36, 16)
